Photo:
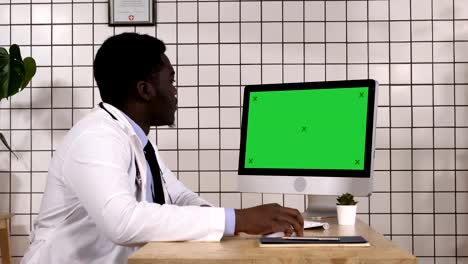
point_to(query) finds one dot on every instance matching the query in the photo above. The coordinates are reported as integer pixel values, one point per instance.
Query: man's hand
(269, 218)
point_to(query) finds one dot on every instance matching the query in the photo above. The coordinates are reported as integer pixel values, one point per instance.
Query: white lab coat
(90, 212)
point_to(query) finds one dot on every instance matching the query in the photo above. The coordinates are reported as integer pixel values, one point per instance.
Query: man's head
(131, 71)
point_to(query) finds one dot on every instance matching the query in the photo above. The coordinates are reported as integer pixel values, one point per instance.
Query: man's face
(164, 104)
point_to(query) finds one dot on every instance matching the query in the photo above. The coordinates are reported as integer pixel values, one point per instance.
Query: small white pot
(346, 214)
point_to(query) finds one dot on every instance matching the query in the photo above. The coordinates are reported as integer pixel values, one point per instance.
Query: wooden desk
(245, 249)
(5, 238)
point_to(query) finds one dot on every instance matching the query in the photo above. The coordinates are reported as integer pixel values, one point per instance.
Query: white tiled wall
(416, 49)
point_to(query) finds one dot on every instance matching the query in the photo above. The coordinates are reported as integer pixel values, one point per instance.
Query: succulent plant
(346, 199)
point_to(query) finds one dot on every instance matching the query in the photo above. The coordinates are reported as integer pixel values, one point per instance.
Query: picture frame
(131, 12)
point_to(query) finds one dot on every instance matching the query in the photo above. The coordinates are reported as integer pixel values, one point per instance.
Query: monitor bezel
(368, 153)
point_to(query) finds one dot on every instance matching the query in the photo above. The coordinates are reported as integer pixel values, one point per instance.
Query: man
(108, 191)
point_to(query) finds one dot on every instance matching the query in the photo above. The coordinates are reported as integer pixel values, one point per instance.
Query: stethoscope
(138, 180)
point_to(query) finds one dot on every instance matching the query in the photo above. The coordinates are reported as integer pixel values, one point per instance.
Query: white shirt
(93, 212)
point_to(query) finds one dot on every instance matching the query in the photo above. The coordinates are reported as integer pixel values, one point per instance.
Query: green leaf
(16, 76)
(15, 53)
(4, 72)
(30, 69)
(17, 71)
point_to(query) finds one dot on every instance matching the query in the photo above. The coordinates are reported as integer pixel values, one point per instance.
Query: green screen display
(307, 129)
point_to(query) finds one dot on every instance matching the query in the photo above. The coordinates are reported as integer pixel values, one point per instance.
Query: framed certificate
(131, 12)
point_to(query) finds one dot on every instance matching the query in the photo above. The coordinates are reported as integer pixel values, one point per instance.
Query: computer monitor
(313, 138)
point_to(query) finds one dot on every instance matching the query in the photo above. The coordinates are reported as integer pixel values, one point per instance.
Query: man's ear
(145, 90)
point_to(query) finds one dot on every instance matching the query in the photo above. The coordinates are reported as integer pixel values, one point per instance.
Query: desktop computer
(314, 138)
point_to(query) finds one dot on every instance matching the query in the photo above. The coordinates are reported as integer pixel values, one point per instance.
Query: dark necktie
(158, 193)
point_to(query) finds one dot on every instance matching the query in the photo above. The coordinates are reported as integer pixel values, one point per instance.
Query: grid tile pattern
(416, 49)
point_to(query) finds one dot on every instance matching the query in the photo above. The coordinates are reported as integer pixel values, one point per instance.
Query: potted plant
(346, 209)
(15, 74)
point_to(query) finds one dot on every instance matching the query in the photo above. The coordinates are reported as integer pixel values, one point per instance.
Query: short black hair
(122, 61)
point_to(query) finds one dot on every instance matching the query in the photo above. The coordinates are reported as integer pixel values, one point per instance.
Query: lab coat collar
(125, 124)
(121, 120)
(138, 130)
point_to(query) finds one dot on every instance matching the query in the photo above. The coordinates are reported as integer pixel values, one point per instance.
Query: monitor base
(320, 206)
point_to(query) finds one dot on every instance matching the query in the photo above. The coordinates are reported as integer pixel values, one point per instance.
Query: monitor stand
(320, 206)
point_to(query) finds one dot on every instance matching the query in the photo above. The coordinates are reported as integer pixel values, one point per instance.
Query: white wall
(417, 50)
